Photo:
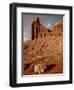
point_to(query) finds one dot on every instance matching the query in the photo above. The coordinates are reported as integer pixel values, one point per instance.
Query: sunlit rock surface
(44, 53)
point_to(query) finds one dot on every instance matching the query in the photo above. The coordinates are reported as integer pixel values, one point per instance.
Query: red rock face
(38, 30)
(58, 28)
(44, 50)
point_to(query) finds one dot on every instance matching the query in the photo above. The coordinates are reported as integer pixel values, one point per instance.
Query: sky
(47, 20)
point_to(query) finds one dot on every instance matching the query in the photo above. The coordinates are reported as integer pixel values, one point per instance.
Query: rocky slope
(47, 51)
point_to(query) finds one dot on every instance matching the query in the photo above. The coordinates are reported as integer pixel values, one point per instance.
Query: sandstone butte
(45, 48)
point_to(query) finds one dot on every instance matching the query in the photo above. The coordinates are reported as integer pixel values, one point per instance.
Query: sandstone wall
(45, 49)
(38, 30)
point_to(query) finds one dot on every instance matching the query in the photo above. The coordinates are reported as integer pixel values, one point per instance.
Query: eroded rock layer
(45, 48)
